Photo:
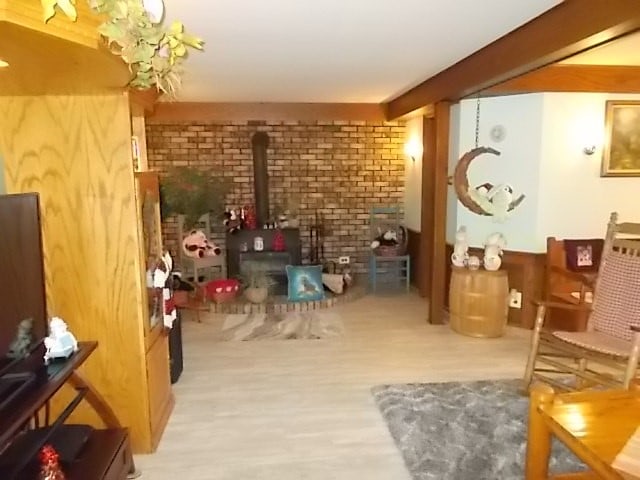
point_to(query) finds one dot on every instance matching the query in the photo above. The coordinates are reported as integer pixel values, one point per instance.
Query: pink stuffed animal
(197, 245)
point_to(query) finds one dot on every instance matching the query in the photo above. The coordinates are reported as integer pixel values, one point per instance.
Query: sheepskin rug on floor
(315, 325)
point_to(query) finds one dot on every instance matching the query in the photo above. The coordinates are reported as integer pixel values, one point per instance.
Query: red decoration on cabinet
(250, 221)
(50, 464)
(278, 242)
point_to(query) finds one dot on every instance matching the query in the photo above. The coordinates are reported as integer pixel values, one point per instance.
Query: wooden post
(538, 434)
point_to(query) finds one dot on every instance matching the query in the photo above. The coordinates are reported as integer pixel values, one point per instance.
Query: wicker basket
(388, 251)
(221, 291)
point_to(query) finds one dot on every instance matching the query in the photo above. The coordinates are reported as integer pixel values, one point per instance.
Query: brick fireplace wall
(336, 169)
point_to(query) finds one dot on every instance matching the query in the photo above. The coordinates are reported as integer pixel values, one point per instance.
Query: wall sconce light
(413, 149)
(3, 63)
(589, 150)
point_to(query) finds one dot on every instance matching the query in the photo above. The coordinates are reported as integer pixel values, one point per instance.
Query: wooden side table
(594, 425)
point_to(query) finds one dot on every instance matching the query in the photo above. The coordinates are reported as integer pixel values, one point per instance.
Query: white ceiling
(334, 50)
(623, 51)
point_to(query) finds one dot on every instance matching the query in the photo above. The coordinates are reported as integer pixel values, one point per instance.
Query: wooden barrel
(478, 302)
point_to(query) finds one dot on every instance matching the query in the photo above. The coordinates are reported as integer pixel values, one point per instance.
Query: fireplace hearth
(241, 255)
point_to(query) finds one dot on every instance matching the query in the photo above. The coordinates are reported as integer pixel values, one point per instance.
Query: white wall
(575, 201)
(413, 177)
(454, 153)
(541, 156)
(517, 165)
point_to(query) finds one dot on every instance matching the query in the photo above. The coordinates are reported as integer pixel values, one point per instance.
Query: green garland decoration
(153, 53)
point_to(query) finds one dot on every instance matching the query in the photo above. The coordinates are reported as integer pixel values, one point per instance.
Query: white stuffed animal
(60, 343)
(460, 253)
(493, 251)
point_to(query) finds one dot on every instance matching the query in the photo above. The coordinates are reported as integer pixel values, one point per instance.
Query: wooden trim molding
(571, 27)
(526, 272)
(438, 211)
(427, 218)
(143, 102)
(211, 112)
(415, 252)
(573, 78)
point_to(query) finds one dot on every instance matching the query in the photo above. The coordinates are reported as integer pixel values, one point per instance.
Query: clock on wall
(498, 133)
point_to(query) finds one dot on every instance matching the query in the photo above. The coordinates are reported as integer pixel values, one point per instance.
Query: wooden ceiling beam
(569, 28)
(573, 78)
(210, 112)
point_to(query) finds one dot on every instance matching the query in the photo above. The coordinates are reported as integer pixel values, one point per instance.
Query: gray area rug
(463, 430)
(312, 325)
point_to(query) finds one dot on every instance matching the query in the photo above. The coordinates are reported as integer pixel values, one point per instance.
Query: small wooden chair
(215, 265)
(607, 353)
(567, 285)
(389, 267)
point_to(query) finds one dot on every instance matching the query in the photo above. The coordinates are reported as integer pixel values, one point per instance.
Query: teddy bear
(493, 246)
(460, 254)
(388, 238)
(233, 220)
(196, 245)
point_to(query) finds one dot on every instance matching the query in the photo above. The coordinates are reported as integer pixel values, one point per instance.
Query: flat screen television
(23, 310)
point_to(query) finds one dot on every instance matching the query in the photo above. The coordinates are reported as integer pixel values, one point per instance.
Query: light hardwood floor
(302, 409)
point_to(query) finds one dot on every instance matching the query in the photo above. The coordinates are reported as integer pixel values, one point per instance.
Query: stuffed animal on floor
(196, 245)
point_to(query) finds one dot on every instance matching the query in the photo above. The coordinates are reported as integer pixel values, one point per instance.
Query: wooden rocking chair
(606, 354)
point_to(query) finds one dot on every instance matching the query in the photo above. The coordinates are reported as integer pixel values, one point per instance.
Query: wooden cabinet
(160, 395)
(155, 334)
(148, 203)
(76, 152)
(156, 341)
(65, 132)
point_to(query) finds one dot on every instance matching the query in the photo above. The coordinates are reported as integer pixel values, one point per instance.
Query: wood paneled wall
(413, 249)
(75, 151)
(526, 274)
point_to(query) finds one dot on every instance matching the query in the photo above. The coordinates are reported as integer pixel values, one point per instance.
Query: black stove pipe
(259, 145)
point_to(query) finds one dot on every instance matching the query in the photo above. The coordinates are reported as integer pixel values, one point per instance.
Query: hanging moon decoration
(482, 204)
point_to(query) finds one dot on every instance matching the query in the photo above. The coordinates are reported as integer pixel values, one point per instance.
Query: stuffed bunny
(460, 253)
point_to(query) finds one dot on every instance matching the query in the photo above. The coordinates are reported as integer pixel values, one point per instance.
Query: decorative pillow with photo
(583, 255)
(305, 283)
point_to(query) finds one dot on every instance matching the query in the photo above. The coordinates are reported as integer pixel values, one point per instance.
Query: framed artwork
(621, 157)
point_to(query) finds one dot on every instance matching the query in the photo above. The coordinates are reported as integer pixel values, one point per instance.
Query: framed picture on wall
(621, 157)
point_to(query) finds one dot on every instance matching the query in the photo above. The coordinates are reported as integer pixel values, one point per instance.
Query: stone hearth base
(279, 304)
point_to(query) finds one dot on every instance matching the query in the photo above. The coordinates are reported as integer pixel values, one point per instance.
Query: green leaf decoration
(153, 53)
(192, 193)
(48, 9)
(67, 6)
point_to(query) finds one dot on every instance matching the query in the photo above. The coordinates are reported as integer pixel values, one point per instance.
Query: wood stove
(241, 254)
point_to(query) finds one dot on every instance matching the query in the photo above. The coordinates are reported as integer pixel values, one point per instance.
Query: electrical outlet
(343, 260)
(515, 298)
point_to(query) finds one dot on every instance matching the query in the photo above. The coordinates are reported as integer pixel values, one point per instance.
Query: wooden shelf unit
(106, 454)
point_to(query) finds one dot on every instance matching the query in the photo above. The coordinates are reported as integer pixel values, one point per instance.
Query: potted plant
(192, 193)
(256, 283)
